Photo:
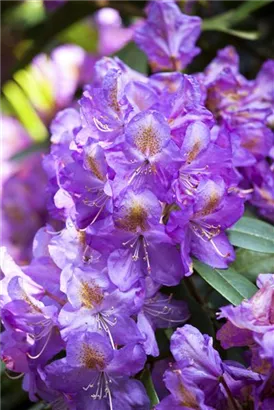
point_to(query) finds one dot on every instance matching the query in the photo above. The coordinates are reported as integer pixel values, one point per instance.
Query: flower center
(134, 219)
(94, 167)
(91, 295)
(210, 206)
(148, 142)
(92, 358)
(194, 152)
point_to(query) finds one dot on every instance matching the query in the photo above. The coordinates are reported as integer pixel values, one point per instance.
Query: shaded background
(29, 28)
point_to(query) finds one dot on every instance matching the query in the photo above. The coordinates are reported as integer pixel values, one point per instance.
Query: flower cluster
(251, 324)
(144, 174)
(199, 379)
(24, 213)
(50, 83)
(245, 108)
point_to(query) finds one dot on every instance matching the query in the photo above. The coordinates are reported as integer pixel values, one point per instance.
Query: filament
(102, 382)
(104, 322)
(218, 251)
(19, 376)
(42, 350)
(100, 126)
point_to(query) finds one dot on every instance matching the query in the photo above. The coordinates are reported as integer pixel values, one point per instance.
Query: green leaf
(25, 112)
(56, 22)
(149, 386)
(199, 315)
(81, 33)
(253, 234)
(251, 263)
(247, 35)
(169, 332)
(246, 8)
(223, 22)
(135, 58)
(231, 285)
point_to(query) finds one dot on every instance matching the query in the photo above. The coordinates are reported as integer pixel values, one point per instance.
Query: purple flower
(200, 225)
(143, 160)
(24, 212)
(168, 36)
(15, 138)
(199, 378)
(260, 179)
(68, 67)
(180, 101)
(236, 103)
(85, 179)
(94, 304)
(249, 323)
(94, 374)
(112, 35)
(158, 311)
(140, 245)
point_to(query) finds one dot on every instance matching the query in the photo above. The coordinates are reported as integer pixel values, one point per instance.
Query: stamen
(189, 181)
(159, 308)
(135, 255)
(136, 244)
(130, 240)
(205, 231)
(100, 203)
(19, 376)
(99, 212)
(43, 348)
(100, 126)
(239, 191)
(146, 257)
(218, 251)
(102, 382)
(104, 321)
(144, 168)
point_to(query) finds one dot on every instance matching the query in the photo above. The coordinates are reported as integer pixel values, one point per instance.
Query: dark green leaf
(247, 35)
(223, 22)
(81, 33)
(231, 285)
(169, 333)
(200, 317)
(133, 57)
(246, 8)
(253, 234)
(29, 150)
(148, 383)
(251, 263)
